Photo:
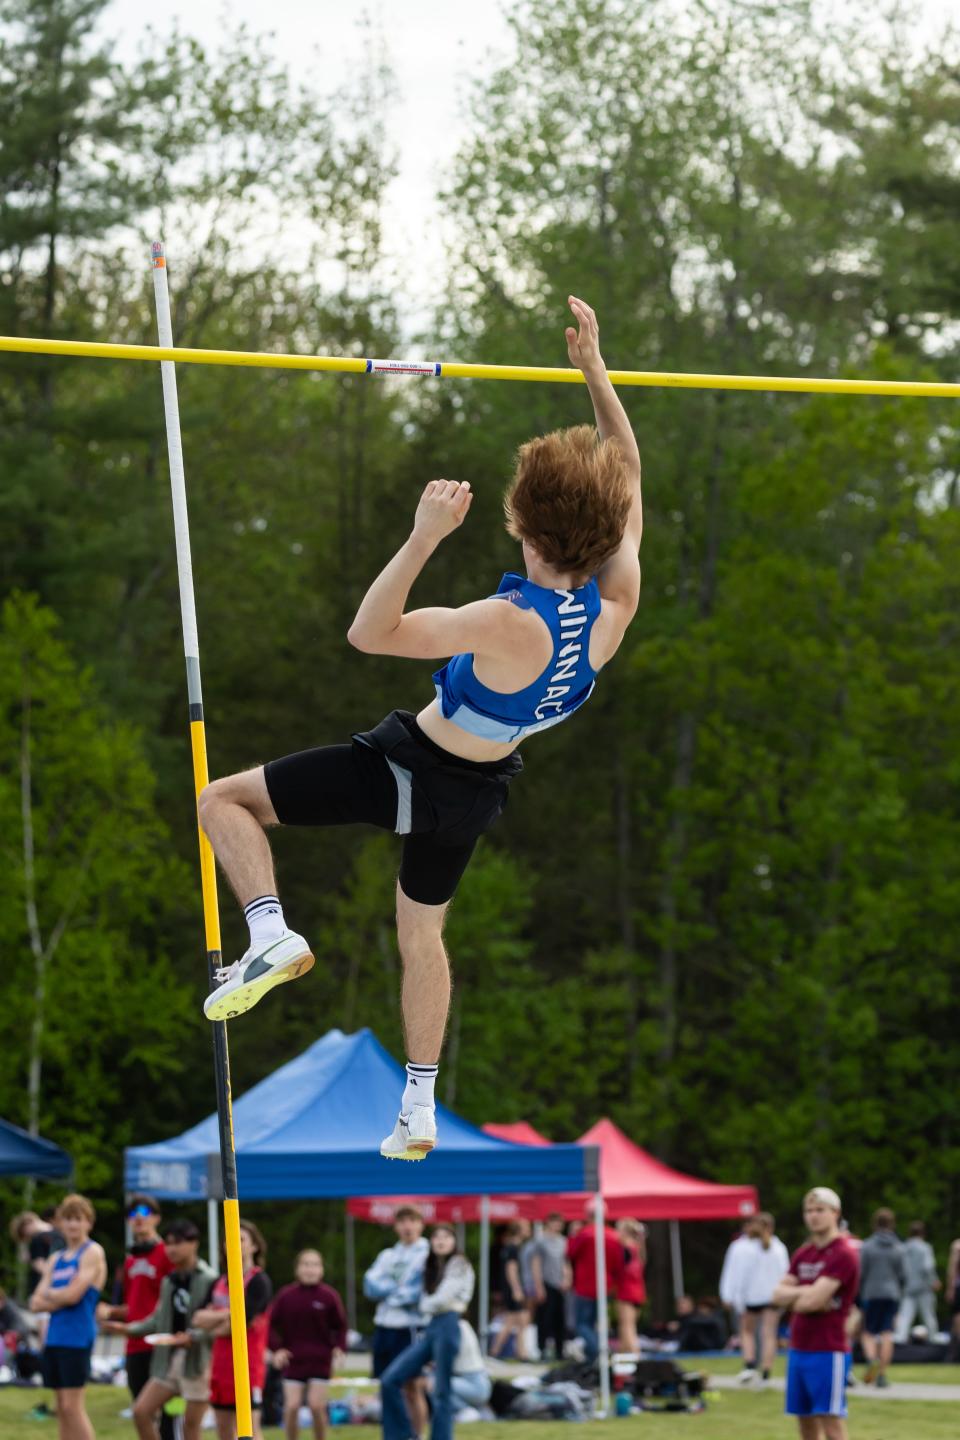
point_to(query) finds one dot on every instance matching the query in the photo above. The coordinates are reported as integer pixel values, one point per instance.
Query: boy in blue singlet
(523, 660)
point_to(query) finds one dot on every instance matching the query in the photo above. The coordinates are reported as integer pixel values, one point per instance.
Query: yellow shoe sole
(239, 1001)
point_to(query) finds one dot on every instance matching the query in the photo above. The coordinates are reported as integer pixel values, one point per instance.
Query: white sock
(265, 918)
(419, 1087)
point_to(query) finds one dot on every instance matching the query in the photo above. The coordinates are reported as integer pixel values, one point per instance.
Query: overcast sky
(435, 48)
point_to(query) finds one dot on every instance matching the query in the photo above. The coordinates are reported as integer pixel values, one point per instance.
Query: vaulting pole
(208, 877)
(451, 370)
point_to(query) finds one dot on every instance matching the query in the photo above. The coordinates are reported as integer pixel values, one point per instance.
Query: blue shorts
(817, 1382)
(879, 1316)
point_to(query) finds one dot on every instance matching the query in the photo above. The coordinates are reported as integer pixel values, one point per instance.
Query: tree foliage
(723, 905)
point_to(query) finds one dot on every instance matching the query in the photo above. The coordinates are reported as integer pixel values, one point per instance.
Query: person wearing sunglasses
(138, 1289)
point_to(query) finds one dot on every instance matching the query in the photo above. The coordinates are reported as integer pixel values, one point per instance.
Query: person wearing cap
(181, 1365)
(818, 1291)
(138, 1292)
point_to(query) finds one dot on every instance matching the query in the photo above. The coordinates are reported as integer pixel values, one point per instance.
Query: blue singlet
(74, 1327)
(565, 683)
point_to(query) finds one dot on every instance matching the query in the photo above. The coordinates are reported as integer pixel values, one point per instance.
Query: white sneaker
(748, 1376)
(414, 1135)
(248, 979)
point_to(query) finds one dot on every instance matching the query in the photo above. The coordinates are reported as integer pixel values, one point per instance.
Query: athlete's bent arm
(382, 628)
(807, 1299)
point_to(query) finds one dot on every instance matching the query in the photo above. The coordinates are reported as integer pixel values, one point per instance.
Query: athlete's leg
(834, 1427)
(810, 1427)
(317, 1402)
(293, 1393)
(425, 992)
(234, 812)
(769, 1325)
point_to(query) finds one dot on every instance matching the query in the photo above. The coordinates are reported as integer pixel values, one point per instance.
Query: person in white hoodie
(395, 1281)
(762, 1267)
(731, 1276)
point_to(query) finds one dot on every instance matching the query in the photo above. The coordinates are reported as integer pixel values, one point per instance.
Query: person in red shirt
(215, 1318)
(139, 1286)
(818, 1291)
(632, 1289)
(581, 1254)
(308, 1335)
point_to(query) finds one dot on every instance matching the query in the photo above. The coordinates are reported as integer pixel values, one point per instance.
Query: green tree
(93, 1006)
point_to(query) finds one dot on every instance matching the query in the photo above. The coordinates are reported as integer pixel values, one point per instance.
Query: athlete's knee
(247, 789)
(416, 922)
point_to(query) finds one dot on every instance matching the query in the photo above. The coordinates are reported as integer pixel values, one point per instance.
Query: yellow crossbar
(346, 366)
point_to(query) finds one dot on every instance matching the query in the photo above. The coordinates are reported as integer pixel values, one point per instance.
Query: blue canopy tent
(25, 1154)
(312, 1130)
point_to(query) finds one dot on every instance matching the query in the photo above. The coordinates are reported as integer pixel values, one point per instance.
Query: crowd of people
(173, 1310)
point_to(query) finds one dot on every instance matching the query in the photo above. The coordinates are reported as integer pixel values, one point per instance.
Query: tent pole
(603, 1335)
(213, 1234)
(676, 1259)
(350, 1267)
(208, 877)
(484, 1301)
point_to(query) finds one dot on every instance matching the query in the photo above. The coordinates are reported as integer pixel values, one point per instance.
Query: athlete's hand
(281, 1359)
(443, 506)
(583, 344)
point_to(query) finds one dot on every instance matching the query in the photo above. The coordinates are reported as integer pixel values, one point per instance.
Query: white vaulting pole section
(208, 876)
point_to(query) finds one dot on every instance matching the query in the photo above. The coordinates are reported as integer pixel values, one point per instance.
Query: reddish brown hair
(570, 497)
(73, 1206)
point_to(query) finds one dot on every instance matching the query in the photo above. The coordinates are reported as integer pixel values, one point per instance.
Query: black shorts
(396, 778)
(388, 1343)
(879, 1316)
(138, 1370)
(66, 1367)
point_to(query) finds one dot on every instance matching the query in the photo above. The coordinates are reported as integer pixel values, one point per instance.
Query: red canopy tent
(633, 1183)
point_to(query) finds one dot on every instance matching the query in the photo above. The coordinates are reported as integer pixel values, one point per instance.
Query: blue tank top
(562, 687)
(75, 1326)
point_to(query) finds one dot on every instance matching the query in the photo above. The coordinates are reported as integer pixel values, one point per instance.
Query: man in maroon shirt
(582, 1257)
(819, 1290)
(139, 1284)
(308, 1333)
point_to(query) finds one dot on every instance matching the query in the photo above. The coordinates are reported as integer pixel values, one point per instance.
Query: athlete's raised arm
(382, 628)
(620, 577)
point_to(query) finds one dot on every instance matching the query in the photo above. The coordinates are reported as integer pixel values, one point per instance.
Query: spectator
(142, 1275)
(581, 1253)
(470, 1385)
(13, 1334)
(882, 1280)
(549, 1271)
(182, 1366)
(308, 1335)
(395, 1281)
(952, 1296)
(731, 1275)
(526, 1243)
(761, 1268)
(921, 1284)
(448, 1282)
(514, 1317)
(215, 1318)
(68, 1290)
(37, 1239)
(631, 1291)
(699, 1325)
(818, 1291)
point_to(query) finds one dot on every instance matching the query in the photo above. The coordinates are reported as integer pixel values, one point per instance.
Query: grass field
(730, 1416)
